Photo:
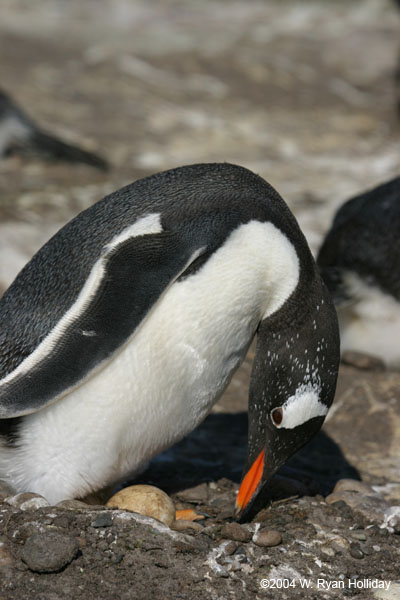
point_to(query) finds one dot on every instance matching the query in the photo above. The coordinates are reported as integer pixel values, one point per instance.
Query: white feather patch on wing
(149, 224)
(302, 406)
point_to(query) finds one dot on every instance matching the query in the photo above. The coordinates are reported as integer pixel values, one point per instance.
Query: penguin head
(292, 386)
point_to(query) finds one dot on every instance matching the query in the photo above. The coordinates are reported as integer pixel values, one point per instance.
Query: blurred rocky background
(302, 92)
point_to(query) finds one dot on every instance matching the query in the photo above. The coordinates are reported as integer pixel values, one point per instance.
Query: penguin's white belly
(372, 323)
(165, 379)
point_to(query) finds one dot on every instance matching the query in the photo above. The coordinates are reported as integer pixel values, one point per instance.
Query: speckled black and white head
(360, 263)
(124, 329)
(293, 380)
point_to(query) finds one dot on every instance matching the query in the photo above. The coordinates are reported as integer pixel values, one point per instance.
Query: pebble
(197, 494)
(235, 532)
(352, 485)
(358, 535)
(6, 558)
(366, 549)
(339, 504)
(102, 520)
(27, 501)
(184, 525)
(230, 547)
(146, 500)
(355, 551)
(226, 512)
(267, 538)
(72, 504)
(49, 552)
(339, 543)
(240, 555)
(218, 502)
(328, 551)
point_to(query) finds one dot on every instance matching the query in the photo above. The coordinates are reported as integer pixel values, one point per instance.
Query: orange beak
(250, 483)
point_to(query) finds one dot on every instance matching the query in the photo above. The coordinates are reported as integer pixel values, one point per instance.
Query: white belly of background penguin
(134, 318)
(370, 321)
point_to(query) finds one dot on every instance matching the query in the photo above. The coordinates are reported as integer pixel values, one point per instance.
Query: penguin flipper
(123, 286)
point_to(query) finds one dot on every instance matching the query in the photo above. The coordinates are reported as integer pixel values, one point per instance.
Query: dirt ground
(302, 92)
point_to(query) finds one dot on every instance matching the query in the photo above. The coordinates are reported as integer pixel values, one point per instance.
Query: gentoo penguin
(124, 329)
(360, 263)
(20, 135)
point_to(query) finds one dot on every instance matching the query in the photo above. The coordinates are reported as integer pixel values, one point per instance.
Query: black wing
(126, 283)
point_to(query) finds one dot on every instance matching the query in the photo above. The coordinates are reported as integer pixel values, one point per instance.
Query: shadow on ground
(217, 449)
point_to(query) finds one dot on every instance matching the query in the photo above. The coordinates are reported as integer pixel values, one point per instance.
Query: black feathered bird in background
(20, 135)
(360, 263)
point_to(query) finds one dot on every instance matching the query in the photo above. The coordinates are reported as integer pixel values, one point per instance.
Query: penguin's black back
(191, 197)
(365, 239)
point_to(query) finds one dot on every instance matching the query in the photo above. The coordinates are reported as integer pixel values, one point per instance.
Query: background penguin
(19, 134)
(124, 329)
(360, 263)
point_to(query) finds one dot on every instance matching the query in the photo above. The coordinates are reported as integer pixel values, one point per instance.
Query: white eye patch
(301, 407)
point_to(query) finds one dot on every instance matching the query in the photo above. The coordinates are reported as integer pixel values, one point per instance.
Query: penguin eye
(277, 416)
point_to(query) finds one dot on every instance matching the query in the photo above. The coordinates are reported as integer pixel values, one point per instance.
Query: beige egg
(146, 500)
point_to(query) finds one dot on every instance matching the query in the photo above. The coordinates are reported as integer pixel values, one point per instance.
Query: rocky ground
(319, 525)
(304, 94)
